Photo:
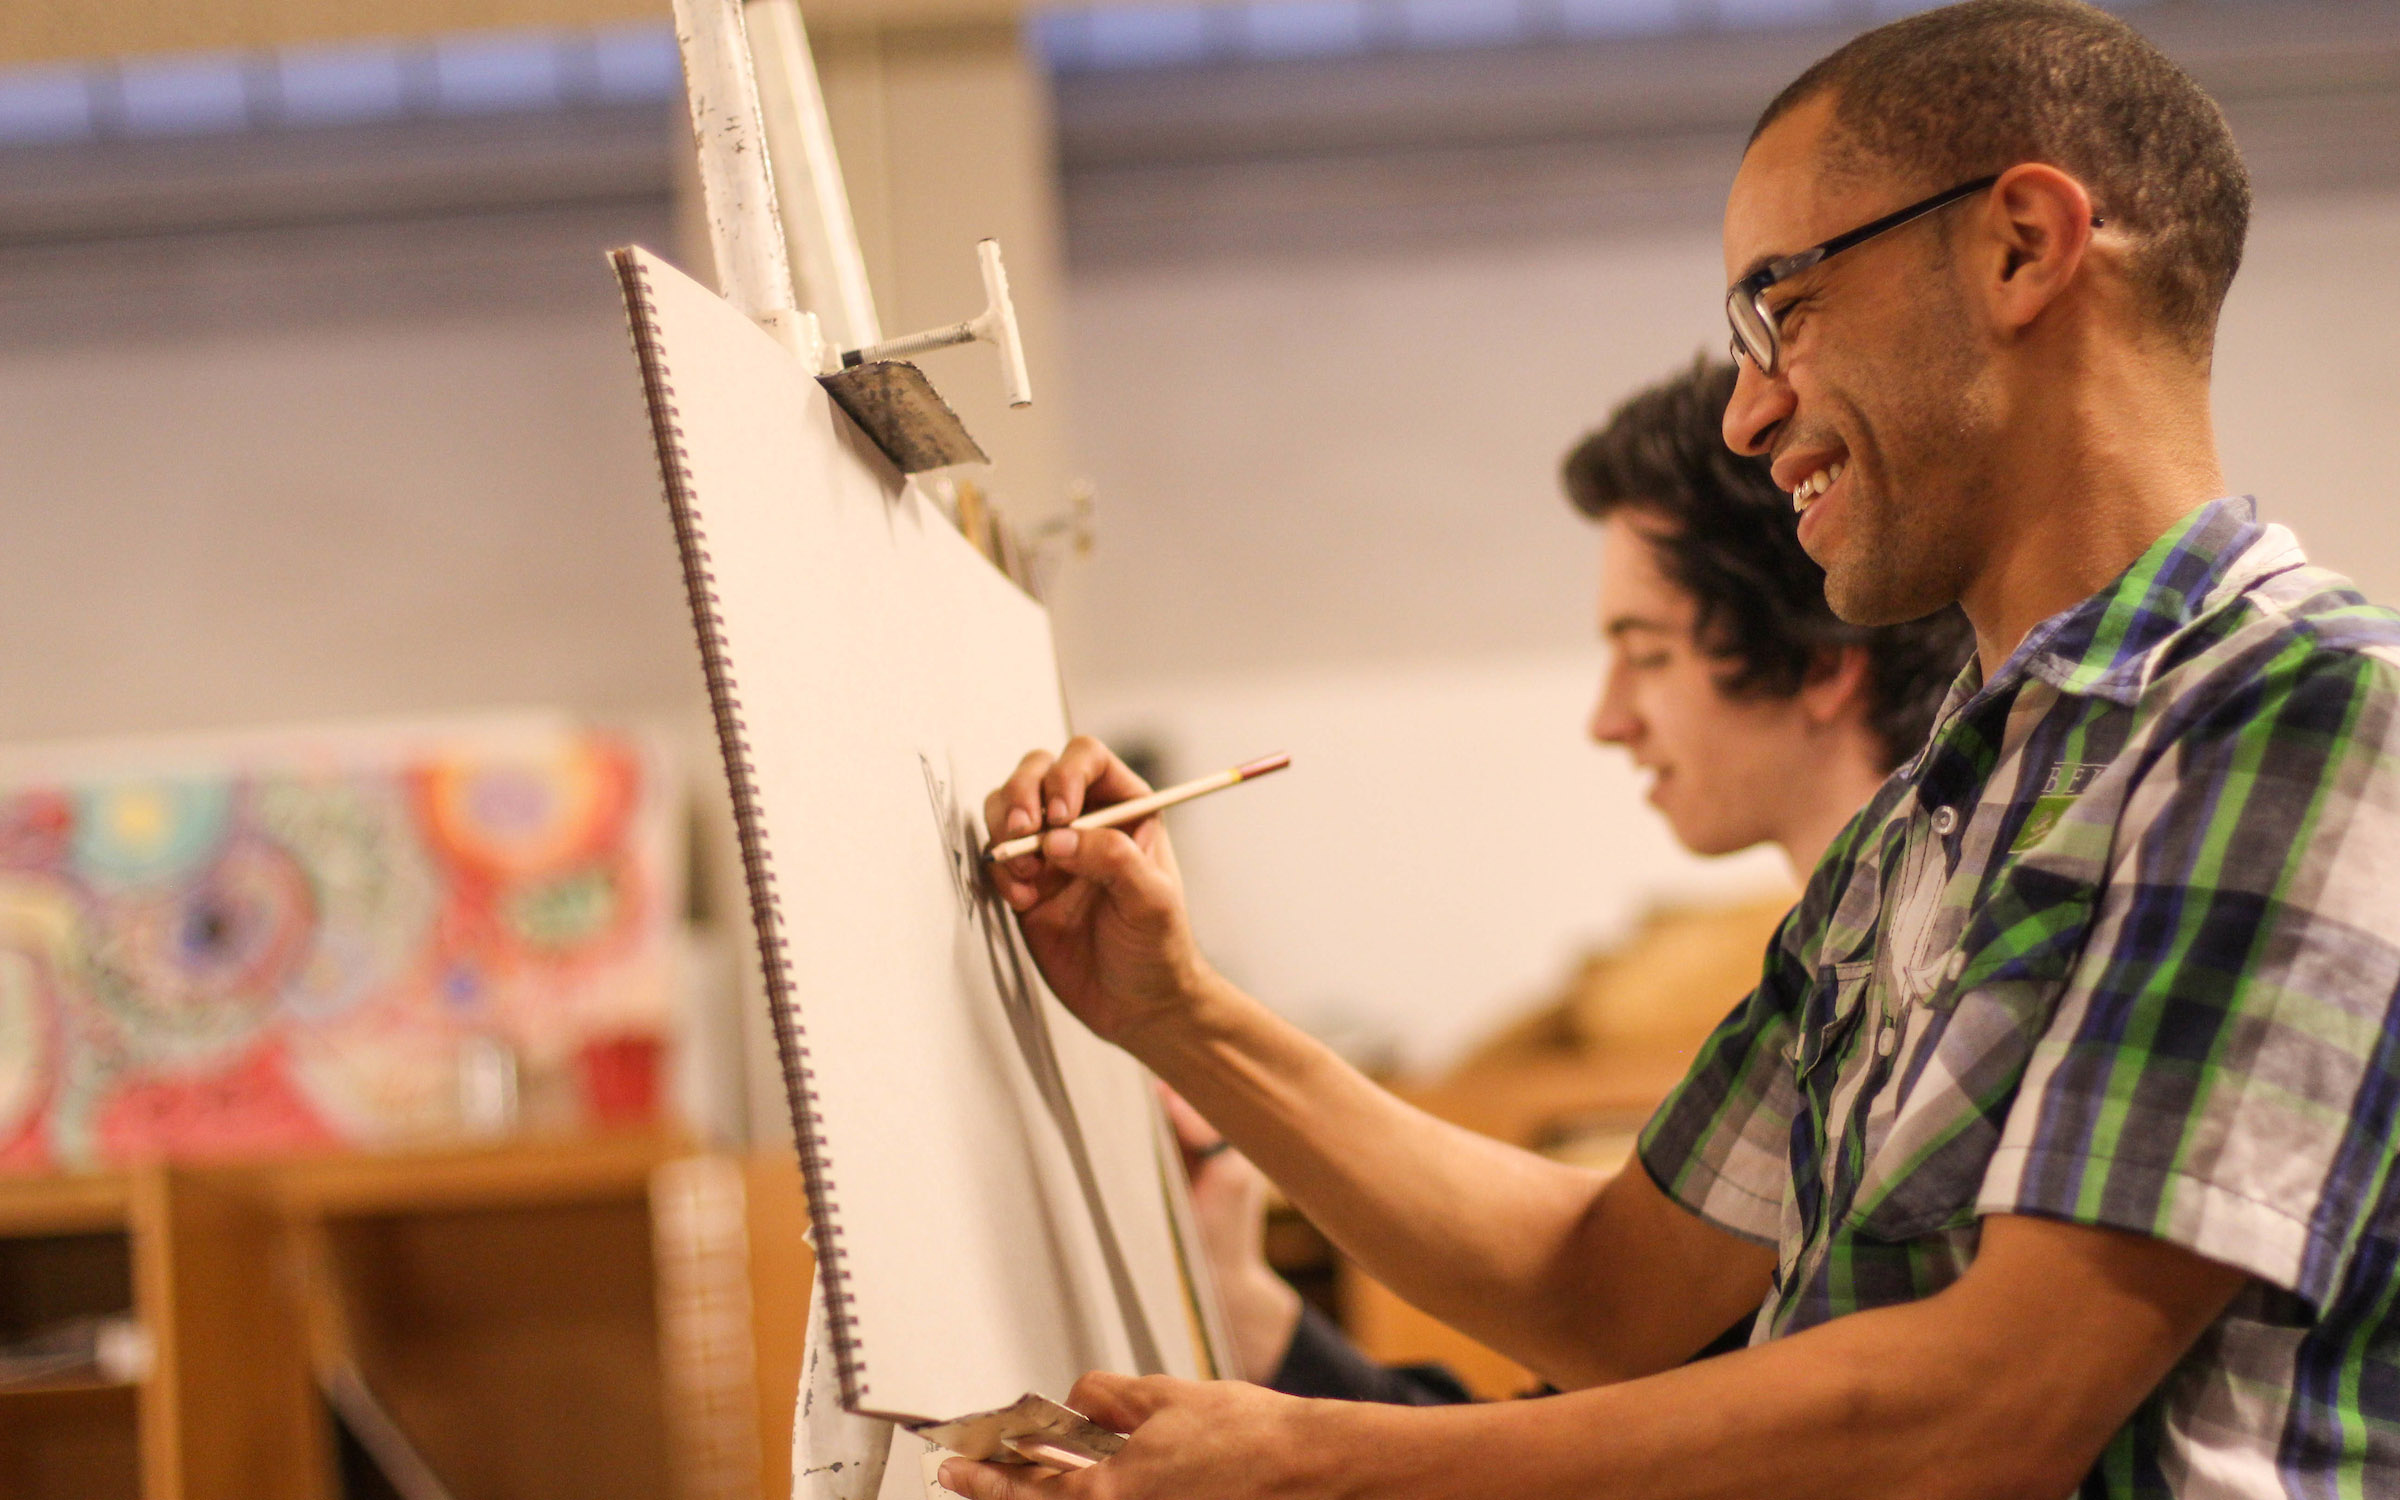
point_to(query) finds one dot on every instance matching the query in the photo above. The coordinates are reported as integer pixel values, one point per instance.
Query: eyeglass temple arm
(1895, 219)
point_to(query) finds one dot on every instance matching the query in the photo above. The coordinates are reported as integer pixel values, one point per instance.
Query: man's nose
(1760, 403)
(1611, 723)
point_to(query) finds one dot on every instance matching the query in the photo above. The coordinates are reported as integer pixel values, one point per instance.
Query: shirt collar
(2103, 646)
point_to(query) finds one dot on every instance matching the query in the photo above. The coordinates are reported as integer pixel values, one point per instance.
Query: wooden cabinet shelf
(78, 1440)
(31, 1206)
(65, 1399)
(504, 1305)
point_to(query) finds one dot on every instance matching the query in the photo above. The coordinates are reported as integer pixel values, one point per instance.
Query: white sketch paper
(993, 1211)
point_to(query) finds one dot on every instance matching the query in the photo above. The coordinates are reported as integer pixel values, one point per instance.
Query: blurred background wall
(314, 400)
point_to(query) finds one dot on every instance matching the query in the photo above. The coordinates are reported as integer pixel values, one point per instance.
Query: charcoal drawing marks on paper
(980, 906)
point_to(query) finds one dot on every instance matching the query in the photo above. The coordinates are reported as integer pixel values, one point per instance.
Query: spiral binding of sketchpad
(758, 868)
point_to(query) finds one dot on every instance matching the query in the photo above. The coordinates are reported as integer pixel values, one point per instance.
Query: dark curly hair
(1731, 540)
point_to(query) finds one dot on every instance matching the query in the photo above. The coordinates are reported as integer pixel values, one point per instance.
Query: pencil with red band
(1136, 808)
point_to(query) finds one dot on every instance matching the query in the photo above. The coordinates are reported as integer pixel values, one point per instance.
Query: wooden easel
(787, 257)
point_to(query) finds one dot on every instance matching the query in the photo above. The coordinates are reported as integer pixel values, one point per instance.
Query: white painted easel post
(836, 1454)
(737, 180)
(788, 258)
(820, 238)
(786, 247)
(749, 146)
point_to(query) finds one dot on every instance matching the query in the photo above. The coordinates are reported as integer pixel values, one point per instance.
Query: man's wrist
(1204, 1010)
(1361, 1448)
(1263, 1313)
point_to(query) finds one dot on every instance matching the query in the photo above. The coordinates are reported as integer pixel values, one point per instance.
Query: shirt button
(1955, 967)
(1886, 1042)
(1945, 821)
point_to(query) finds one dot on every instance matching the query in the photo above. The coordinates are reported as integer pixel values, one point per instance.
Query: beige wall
(1443, 848)
(361, 519)
(2305, 401)
(1349, 459)
(40, 31)
(1328, 514)
(1329, 523)
(945, 139)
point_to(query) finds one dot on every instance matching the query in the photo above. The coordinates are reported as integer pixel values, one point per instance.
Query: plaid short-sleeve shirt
(2121, 946)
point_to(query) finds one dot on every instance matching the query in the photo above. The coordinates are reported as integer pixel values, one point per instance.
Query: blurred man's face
(1884, 379)
(1720, 766)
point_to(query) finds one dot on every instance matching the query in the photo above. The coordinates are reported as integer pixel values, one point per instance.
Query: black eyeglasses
(1754, 330)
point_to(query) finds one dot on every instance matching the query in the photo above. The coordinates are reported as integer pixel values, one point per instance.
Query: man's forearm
(1843, 1417)
(2003, 1387)
(1460, 1225)
(1474, 1232)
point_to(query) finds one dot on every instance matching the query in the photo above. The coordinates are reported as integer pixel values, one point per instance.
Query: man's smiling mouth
(1806, 492)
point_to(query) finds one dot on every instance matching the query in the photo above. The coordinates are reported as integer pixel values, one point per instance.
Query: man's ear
(1839, 688)
(2037, 226)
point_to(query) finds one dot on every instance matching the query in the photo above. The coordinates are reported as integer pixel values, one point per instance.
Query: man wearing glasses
(2055, 1151)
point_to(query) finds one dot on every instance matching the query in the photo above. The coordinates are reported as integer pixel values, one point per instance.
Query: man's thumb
(1108, 858)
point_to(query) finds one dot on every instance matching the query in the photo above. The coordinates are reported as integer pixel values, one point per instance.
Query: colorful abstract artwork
(345, 939)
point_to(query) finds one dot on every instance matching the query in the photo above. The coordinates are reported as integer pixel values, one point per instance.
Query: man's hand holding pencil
(1101, 906)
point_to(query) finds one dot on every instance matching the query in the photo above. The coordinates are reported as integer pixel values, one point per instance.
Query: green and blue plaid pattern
(2121, 946)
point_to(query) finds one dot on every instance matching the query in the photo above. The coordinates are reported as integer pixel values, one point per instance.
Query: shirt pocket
(1828, 1017)
(1956, 1075)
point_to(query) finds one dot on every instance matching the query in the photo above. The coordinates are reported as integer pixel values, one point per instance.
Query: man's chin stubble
(1877, 593)
(1886, 575)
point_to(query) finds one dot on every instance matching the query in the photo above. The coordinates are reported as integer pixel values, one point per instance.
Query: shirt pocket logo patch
(2060, 788)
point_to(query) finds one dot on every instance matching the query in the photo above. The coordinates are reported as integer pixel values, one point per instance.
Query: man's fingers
(1026, 883)
(1192, 1130)
(1104, 856)
(1087, 776)
(1123, 1402)
(1105, 862)
(1199, 1143)
(1084, 761)
(1101, 1396)
(1047, 791)
(1015, 809)
(1114, 781)
(963, 1476)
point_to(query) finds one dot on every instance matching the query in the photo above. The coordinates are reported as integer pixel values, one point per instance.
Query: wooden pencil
(1136, 808)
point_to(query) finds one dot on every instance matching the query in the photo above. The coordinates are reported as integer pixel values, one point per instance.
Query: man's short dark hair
(1729, 538)
(1950, 95)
